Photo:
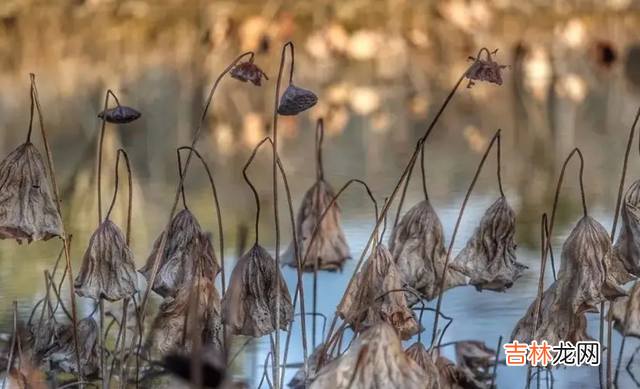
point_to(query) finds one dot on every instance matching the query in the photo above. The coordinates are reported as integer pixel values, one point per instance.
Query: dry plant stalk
(417, 244)
(61, 354)
(626, 313)
(177, 263)
(418, 353)
(384, 365)
(379, 276)
(27, 211)
(627, 247)
(489, 258)
(249, 306)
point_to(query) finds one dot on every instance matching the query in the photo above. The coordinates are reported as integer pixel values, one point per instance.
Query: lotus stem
(296, 247)
(495, 138)
(632, 132)
(319, 141)
(56, 194)
(254, 190)
(495, 364)
(319, 178)
(100, 146)
(560, 179)
(289, 44)
(163, 242)
(14, 338)
(544, 242)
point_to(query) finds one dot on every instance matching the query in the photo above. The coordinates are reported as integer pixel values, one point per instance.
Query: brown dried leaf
(248, 71)
(27, 211)
(631, 324)
(120, 115)
(107, 271)
(177, 264)
(168, 326)
(379, 276)
(456, 377)
(627, 247)
(474, 355)
(417, 244)
(424, 359)
(385, 365)
(299, 380)
(330, 246)
(62, 354)
(295, 100)
(249, 305)
(489, 258)
(485, 70)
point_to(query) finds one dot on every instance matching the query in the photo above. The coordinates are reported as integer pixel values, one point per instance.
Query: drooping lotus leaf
(425, 360)
(627, 247)
(62, 353)
(626, 314)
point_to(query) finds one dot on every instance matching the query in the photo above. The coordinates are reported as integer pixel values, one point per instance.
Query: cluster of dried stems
(191, 334)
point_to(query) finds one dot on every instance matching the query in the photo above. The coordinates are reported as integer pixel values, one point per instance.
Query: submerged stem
(443, 276)
(56, 194)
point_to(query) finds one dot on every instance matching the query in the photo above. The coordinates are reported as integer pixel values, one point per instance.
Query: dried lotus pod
(330, 248)
(62, 353)
(418, 353)
(417, 244)
(378, 277)
(119, 115)
(456, 377)
(248, 71)
(168, 327)
(485, 70)
(375, 360)
(628, 322)
(177, 262)
(299, 381)
(489, 257)
(627, 247)
(108, 270)
(295, 100)
(249, 305)
(27, 211)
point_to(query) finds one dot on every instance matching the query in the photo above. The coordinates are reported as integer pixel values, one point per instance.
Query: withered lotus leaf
(249, 305)
(330, 246)
(631, 324)
(425, 360)
(177, 262)
(374, 360)
(299, 381)
(27, 211)
(489, 257)
(475, 355)
(378, 277)
(248, 71)
(417, 244)
(62, 353)
(485, 70)
(41, 338)
(295, 100)
(169, 325)
(107, 271)
(120, 115)
(453, 376)
(627, 247)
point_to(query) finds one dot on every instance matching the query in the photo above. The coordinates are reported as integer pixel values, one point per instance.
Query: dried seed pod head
(475, 355)
(27, 212)
(626, 314)
(375, 360)
(456, 377)
(417, 244)
(587, 263)
(556, 320)
(377, 278)
(108, 271)
(177, 261)
(418, 353)
(119, 115)
(485, 70)
(489, 258)
(300, 380)
(249, 305)
(168, 329)
(62, 353)
(627, 247)
(295, 100)
(248, 71)
(330, 248)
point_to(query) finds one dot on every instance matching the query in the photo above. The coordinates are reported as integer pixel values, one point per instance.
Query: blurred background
(381, 70)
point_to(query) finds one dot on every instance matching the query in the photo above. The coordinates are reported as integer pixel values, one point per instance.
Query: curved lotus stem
(253, 189)
(35, 99)
(217, 205)
(154, 270)
(100, 144)
(319, 140)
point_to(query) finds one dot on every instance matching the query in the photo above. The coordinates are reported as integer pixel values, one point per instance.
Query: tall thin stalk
(163, 242)
(14, 339)
(100, 145)
(56, 194)
(319, 179)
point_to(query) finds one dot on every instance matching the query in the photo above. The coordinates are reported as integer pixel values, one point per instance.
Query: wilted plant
(453, 376)
(61, 353)
(248, 71)
(475, 355)
(627, 247)
(626, 313)
(419, 354)
(300, 380)
(485, 70)
(120, 114)
(330, 249)
(374, 360)
(489, 257)
(294, 99)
